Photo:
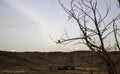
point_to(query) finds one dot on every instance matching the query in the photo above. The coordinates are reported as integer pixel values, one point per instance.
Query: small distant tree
(86, 13)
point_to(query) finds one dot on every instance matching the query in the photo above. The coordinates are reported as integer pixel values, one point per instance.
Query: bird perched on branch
(58, 41)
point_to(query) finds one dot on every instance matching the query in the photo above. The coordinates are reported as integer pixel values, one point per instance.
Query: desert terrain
(78, 62)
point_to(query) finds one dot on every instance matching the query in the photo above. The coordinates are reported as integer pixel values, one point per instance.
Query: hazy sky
(25, 25)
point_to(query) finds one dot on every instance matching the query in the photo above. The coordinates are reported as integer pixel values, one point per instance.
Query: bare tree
(86, 13)
(119, 2)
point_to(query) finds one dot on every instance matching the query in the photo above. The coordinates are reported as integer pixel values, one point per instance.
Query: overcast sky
(25, 25)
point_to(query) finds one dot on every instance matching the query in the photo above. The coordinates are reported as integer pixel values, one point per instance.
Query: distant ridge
(43, 60)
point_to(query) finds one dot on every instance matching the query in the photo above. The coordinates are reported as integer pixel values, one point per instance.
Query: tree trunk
(112, 72)
(112, 69)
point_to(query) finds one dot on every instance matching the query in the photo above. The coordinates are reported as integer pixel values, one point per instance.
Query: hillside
(48, 60)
